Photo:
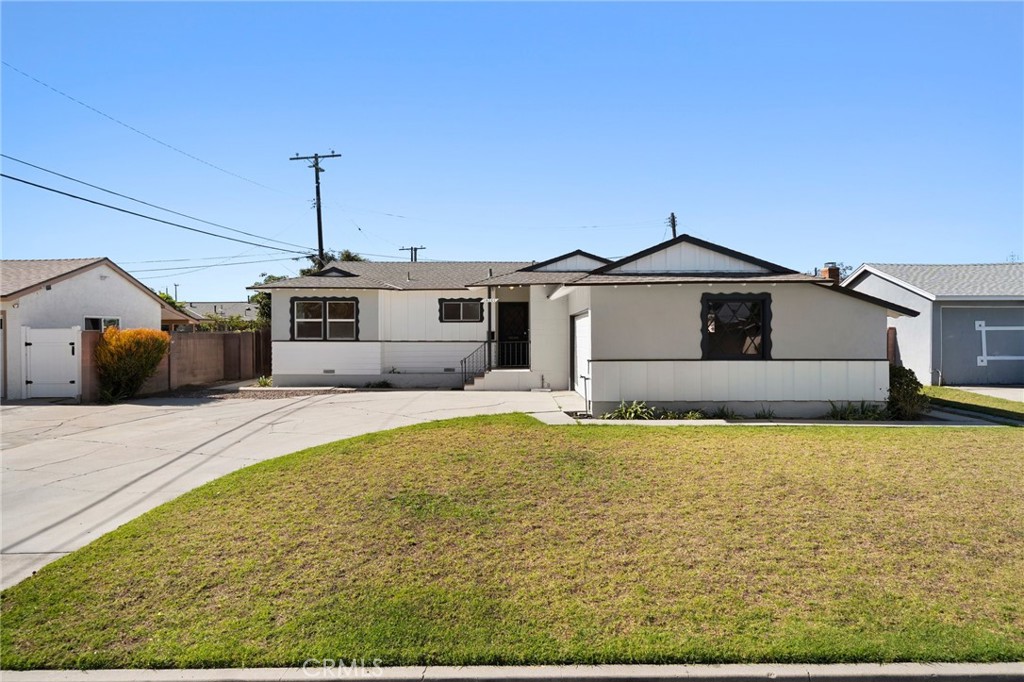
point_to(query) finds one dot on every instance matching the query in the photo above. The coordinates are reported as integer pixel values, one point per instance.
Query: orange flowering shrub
(126, 358)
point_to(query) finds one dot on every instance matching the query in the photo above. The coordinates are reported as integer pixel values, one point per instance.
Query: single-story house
(44, 307)
(686, 323)
(970, 330)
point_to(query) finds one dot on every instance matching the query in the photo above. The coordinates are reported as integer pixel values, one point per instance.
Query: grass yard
(498, 540)
(966, 400)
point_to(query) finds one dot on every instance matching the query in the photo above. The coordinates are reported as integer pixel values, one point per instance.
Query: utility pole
(319, 215)
(413, 258)
(672, 223)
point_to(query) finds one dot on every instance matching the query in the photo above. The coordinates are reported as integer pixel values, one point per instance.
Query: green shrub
(852, 412)
(125, 359)
(265, 382)
(765, 412)
(906, 399)
(724, 412)
(635, 410)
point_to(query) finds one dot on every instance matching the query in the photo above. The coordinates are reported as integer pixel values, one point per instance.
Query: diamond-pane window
(734, 327)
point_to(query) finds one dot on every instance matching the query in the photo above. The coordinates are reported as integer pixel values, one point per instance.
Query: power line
(215, 265)
(147, 217)
(146, 203)
(136, 130)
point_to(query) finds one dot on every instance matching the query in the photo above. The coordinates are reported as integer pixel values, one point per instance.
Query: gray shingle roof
(400, 276)
(222, 308)
(672, 278)
(525, 278)
(981, 280)
(18, 275)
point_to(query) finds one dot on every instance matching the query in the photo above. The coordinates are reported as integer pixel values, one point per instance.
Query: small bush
(724, 412)
(265, 382)
(851, 412)
(126, 359)
(765, 413)
(694, 414)
(635, 410)
(906, 399)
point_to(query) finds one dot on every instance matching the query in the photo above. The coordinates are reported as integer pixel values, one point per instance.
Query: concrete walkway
(74, 472)
(1005, 392)
(935, 672)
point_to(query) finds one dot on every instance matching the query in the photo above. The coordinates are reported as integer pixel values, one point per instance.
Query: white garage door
(581, 354)
(52, 363)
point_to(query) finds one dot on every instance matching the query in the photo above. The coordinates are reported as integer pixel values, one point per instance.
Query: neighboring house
(210, 309)
(971, 327)
(686, 323)
(47, 303)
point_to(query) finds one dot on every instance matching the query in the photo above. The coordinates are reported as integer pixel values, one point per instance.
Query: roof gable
(17, 277)
(979, 280)
(686, 254)
(575, 261)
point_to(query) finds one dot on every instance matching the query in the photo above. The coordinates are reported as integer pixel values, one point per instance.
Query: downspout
(490, 317)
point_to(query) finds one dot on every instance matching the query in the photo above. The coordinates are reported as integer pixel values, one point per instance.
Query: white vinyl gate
(581, 355)
(53, 363)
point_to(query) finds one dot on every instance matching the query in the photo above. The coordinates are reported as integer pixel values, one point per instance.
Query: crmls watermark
(339, 668)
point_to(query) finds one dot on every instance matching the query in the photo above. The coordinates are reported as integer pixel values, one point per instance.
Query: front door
(513, 334)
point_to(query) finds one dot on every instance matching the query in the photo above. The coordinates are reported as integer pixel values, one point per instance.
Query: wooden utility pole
(413, 258)
(319, 215)
(672, 223)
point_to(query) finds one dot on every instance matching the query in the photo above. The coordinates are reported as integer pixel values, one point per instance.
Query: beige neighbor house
(44, 307)
(683, 324)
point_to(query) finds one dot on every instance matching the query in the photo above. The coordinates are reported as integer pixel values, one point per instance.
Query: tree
(261, 299)
(169, 300)
(329, 257)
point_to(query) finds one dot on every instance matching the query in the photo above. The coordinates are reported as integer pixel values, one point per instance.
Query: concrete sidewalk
(890, 672)
(74, 472)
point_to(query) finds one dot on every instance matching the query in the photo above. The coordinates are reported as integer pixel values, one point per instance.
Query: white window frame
(105, 321)
(318, 319)
(353, 320)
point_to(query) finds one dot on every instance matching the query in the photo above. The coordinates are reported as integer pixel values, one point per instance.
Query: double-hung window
(460, 310)
(320, 319)
(736, 327)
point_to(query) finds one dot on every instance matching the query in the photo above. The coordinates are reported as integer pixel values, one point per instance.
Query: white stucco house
(970, 330)
(44, 307)
(685, 323)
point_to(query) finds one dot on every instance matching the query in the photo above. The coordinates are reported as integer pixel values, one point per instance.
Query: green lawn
(966, 400)
(498, 540)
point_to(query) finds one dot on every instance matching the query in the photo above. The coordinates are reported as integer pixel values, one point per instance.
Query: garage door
(52, 363)
(581, 354)
(982, 345)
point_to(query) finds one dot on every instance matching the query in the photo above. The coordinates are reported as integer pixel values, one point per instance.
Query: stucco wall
(913, 334)
(98, 292)
(663, 322)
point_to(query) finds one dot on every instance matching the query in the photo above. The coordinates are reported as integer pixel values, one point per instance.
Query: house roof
(566, 257)
(221, 308)
(696, 278)
(980, 280)
(19, 276)
(398, 276)
(700, 244)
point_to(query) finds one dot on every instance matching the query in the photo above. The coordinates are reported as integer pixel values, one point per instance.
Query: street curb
(328, 670)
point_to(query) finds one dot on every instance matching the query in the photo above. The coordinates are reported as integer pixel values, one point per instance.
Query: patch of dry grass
(500, 540)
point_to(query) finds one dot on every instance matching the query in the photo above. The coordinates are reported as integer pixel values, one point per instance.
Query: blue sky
(796, 132)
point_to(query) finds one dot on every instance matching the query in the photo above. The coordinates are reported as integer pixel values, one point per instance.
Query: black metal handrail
(513, 354)
(475, 364)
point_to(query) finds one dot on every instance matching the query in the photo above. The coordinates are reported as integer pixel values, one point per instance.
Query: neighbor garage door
(581, 354)
(961, 353)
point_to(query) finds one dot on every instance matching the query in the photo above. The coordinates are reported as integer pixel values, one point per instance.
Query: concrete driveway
(74, 472)
(1005, 392)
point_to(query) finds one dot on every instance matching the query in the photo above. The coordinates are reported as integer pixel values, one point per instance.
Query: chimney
(830, 271)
